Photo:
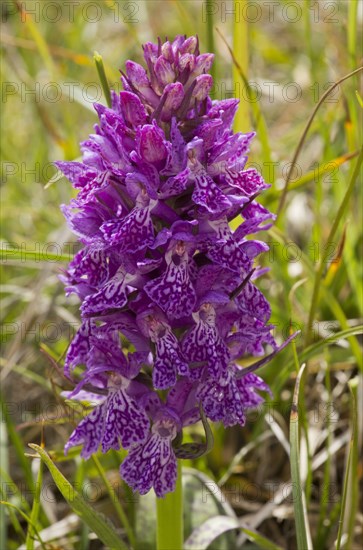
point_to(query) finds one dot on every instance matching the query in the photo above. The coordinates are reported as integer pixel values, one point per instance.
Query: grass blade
(301, 519)
(100, 525)
(205, 534)
(27, 519)
(304, 134)
(18, 445)
(352, 31)
(314, 349)
(38, 37)
(331, 302)
(330, 239)
(323, 529)
(4, 461)
(259, 539)
(210, 36)
(312, 175)
(259, 122)
(35, 509)
(241, 49)
(115, 501)
(347, 510)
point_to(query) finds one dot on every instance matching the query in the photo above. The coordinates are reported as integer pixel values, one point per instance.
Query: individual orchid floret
(169, 361)
(117, 420)
(153, 463)
(173, 291)
(228, 400)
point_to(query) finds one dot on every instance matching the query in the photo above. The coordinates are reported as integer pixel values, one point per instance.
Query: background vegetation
(291, 53)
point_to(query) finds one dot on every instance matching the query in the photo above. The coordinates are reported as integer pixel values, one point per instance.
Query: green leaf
(102, 76)
(301, 519)
(103, 528)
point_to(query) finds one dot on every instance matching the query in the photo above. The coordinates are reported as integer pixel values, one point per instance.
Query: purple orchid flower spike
(167, 290)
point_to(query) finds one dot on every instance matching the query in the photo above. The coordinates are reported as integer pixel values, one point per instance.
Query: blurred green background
(290, 53)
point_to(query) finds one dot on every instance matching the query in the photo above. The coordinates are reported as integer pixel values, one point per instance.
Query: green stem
(170, 531)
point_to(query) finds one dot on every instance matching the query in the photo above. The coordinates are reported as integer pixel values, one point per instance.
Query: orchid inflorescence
(168, 301)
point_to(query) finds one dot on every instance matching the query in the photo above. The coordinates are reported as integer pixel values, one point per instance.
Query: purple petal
(169, 361)
(112, 295)
(174, 96)
(164, 71)
(208, 195)
(173, 291)
(79, 348)
(252, 301)
(165, 473)
(88, 432)
(222, 403)
(249, 182)
(124, 420)
(250, 338)
(135, 232)
(247, 386)
(151, 465)
(137, 471)
(222, 248)
(203, 86)
(77, 172)
(152, 145)
(132, 109)
(202, 343)
(252, 248)
(175, 185)
(225, 109)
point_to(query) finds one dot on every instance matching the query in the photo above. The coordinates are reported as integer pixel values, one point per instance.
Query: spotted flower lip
(167, 291)
(153, 463)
